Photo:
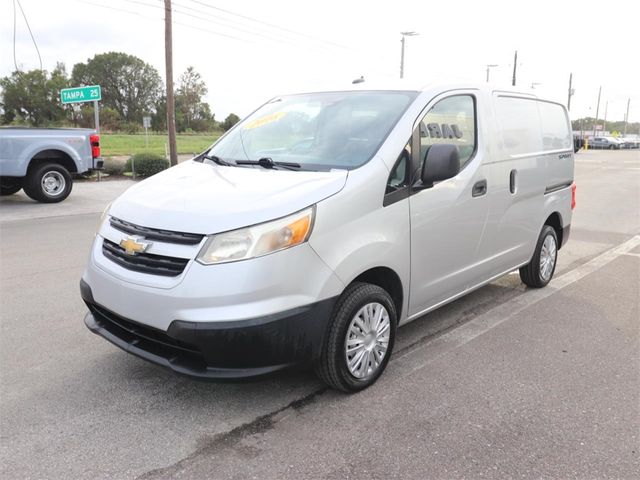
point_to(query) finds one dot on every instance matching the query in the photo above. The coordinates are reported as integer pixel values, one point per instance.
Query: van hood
(202, 198)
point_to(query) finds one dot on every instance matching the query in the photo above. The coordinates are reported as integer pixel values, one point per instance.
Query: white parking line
(480, 325)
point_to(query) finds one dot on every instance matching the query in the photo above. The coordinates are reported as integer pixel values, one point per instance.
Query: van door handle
(479, 188)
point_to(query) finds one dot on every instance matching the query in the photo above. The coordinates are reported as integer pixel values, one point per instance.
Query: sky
(250, 50)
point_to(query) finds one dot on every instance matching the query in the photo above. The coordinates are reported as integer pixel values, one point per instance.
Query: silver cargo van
(325, 220)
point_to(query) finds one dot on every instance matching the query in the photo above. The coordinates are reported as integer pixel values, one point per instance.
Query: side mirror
(441, 162)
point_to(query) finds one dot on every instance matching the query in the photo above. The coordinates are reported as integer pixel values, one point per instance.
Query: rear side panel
(530, 173)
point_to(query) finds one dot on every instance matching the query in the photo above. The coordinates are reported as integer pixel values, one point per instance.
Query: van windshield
(318, 131)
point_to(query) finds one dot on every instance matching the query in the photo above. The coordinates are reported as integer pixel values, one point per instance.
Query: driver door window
(453, 121)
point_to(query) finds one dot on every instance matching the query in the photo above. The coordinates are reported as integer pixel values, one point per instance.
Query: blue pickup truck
(42, 161)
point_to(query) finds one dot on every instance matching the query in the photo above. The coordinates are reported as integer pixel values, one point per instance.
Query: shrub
(113, 167)
(147, 164)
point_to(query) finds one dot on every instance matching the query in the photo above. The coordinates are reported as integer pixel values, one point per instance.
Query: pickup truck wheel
(360, 339)
(10, 185)
(539, 271)
(48, 183)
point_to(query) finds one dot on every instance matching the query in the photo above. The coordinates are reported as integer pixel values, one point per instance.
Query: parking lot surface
(504, 383)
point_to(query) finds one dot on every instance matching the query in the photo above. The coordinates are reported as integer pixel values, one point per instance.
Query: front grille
(167, 236)
(144, 262)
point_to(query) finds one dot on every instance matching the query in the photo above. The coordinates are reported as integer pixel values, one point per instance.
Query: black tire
(332, 367)
(531, 274)
(34, 188)
(10, 185)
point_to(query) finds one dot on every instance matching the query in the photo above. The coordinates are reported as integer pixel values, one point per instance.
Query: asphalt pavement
(504, 383)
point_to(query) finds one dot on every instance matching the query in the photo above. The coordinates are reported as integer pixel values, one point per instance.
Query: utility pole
(404, 34)
(570, 92)
(168, 60)
(488, 69)
(626, 117)
(515, 66)
(597, 111)
(606, 108)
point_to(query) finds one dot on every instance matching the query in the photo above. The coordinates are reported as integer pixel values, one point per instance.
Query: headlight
(103, 217)
(258, 240)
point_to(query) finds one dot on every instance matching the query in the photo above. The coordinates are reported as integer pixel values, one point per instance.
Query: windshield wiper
(268, 162)
(218, 160)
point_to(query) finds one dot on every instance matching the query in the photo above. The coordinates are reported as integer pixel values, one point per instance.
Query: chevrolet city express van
(320, 223)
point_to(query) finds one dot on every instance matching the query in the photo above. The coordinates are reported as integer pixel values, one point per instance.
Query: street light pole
(597, 112)
(571, 91)
(488, 68)
(404, 34)
(626, 117)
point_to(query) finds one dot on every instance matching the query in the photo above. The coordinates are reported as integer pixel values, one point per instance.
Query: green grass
(121, 144)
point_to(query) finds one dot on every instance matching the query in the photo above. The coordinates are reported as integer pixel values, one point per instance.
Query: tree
(230, 121)
(130, 86)
(191, 111)
(33, 97)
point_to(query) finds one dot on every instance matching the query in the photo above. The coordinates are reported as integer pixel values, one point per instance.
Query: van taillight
(573, 196)
(95, 145)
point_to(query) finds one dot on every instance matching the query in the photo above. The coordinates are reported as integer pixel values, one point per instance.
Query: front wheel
(48, 183)
(360, 339)
(539, 271)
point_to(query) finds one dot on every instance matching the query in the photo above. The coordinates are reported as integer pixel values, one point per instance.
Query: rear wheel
(360, 339)
(48, 183)
(539, 271)
(10, 185)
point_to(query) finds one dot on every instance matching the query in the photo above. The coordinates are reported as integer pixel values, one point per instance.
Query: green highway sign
(81, 94)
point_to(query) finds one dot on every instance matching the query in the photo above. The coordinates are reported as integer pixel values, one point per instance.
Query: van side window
(398, 182)
(519, 123)
(556, 131)
(451, 120)
(399, 176)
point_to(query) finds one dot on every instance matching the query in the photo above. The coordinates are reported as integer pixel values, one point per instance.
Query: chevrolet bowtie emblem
(133, 245)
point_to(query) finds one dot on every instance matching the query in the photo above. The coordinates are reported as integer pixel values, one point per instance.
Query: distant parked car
(607, 143)
(629, 142)
(42, 160)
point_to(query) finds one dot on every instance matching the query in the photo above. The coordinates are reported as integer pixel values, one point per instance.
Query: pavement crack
(231, 439)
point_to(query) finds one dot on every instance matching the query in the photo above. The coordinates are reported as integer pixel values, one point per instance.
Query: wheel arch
(53, 155)
(555, 221)
(389, 280)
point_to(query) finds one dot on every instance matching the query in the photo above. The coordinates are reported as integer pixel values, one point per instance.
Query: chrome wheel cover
(53, 183)
(367, 340)
(548, 255)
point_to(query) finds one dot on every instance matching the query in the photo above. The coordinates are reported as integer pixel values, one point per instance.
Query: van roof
(409, 85)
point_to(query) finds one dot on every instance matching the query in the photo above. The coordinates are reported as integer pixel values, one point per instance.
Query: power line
(108, 7)
(35, 44)
(229, 12)
(217, 20)
(30, 33)
(15, 62)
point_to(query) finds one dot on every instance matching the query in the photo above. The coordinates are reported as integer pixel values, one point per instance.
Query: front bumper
(228, 349)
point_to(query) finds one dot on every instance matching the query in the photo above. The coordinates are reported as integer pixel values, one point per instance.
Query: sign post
(92, 93)
(146, 123)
